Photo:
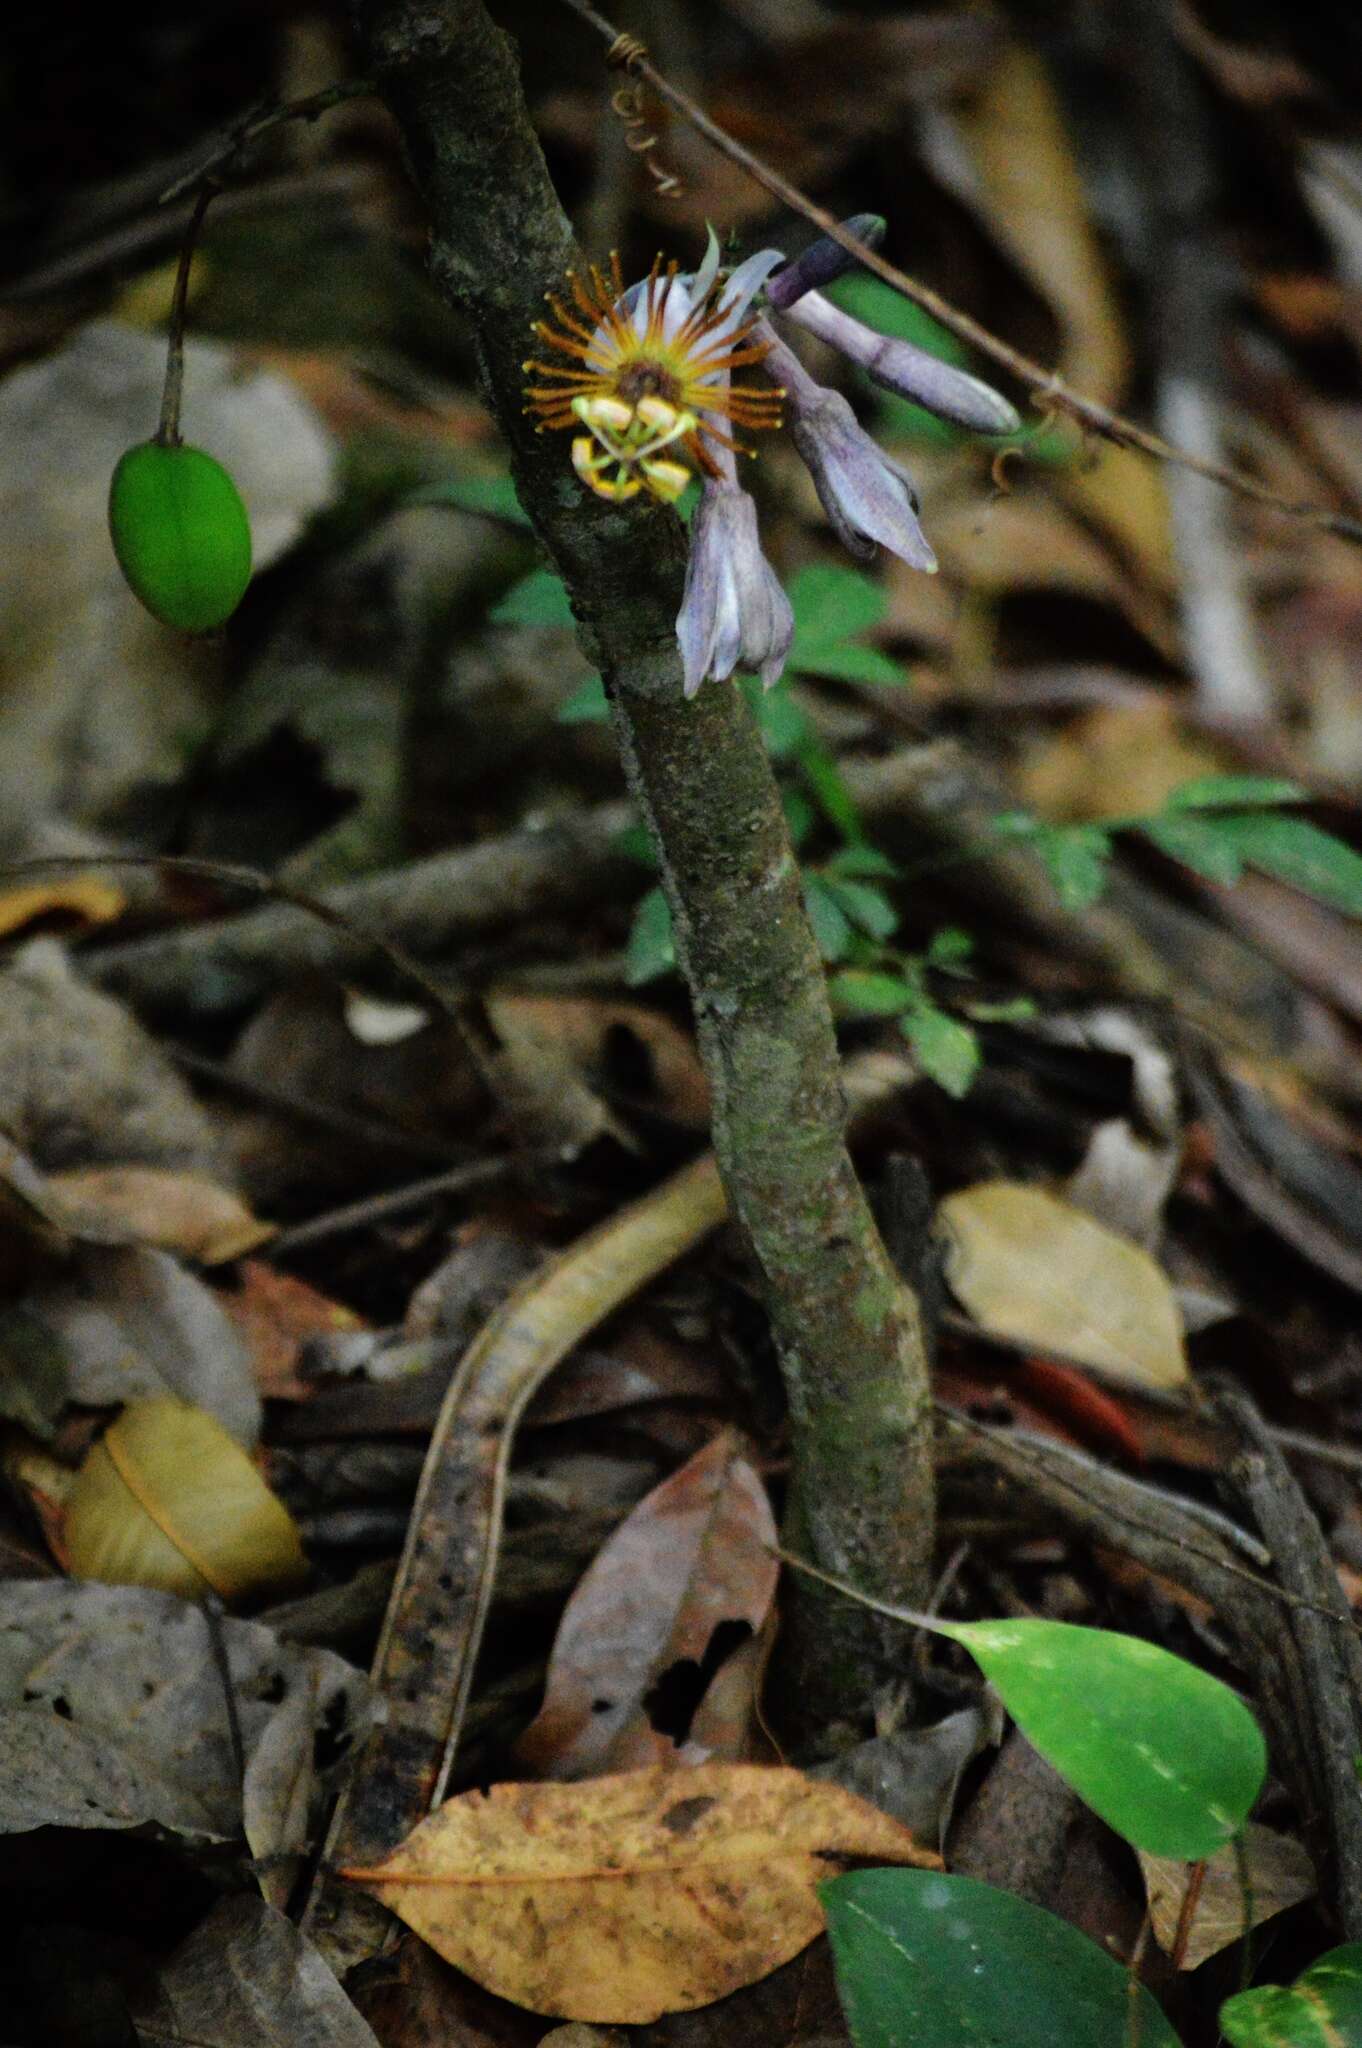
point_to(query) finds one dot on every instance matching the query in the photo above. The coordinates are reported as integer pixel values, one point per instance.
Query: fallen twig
(424, 1663)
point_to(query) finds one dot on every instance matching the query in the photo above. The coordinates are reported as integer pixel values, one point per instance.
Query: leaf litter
(1177, 1130)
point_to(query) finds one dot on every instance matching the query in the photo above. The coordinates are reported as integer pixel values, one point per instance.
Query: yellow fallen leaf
(89, 898)
(630, 1896)
(179, 1212)
(1031, 1267)
(1280, 1874)
(168, 1499)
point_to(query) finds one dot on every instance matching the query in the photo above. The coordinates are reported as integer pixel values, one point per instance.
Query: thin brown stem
(168, 430)
(1048, 389)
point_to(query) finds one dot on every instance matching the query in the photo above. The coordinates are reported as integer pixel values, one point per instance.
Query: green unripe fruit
(181, 534)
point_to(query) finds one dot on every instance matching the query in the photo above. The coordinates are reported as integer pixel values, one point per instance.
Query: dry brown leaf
(627, 1897)
(1124, 494)
(1031, 542)
(88, 899)
(1115, 760)
(622, 1049)
(276, 1314)
(1030, 189)
(678, 1583)
(1035, 1269)
(178, 1212)
(1279, 1872)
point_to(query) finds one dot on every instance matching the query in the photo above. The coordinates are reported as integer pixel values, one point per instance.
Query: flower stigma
(650, 375)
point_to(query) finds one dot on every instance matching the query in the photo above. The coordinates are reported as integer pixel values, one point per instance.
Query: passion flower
(181, 534)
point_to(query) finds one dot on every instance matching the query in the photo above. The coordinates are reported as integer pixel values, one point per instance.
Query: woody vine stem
(849, 1332)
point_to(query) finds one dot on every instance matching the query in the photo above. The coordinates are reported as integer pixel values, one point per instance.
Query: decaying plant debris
(357, 1132)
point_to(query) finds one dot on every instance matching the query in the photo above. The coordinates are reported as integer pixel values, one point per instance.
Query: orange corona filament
(638, 388)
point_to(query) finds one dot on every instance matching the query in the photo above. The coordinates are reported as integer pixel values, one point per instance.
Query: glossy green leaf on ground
(947, 1962)
(1162, 1751)
(181, 535)
(1322, 2009)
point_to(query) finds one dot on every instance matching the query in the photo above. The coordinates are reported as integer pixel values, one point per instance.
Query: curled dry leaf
(630, 1896)
(1033, 1268)
(168, 1499)
(177, 1212)
(686, 1581)
(1279, 1874)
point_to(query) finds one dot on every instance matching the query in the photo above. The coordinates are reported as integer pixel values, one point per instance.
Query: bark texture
(848, 1331)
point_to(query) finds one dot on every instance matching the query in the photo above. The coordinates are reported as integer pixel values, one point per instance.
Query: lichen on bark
(848, 1331)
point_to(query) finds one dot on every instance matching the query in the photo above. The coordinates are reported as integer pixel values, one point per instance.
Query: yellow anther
(666, 480)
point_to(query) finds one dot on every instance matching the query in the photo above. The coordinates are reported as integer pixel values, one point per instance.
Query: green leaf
(1015, 1010)
(635, 842)
(1077, 857)
(799, 814)
(947, 1051)
(828, 787)
(539, 599)
(868, 908)
(1322, 2009)
(1161, 1751)
(846, 661)
(493, 495)
(831, 928)
(1016, 825)
(1199, 843)
(924, 1960)
(857, 994)
(950, 947)
(1297, 852)
(651, 950)
(586, 706)
(1233, 793)
(862, 859)
(830, 604)
(783, 724)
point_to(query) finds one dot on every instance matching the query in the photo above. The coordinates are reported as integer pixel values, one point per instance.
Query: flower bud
(822, 261)
(734, 613)
(909, 371)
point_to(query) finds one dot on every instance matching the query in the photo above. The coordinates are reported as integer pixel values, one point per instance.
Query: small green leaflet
(831, 605)
(857, 993)
(586, 706)
(925, 1960)
(831, 927)
(539, 599)
(1162, 1752)
(492, 494)
(1322, 2009)
(947, 1051)
(1077, 857)
(651, 950)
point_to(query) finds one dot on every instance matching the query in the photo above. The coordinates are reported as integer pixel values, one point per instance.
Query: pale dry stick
(1048, 388)
(423, 1667)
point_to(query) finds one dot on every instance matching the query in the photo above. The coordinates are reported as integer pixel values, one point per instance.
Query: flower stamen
(650, 372)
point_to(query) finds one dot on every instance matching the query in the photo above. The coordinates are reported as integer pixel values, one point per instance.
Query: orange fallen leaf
(631, 1896)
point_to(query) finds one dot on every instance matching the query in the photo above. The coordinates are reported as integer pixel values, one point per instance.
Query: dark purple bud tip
(823, 261)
